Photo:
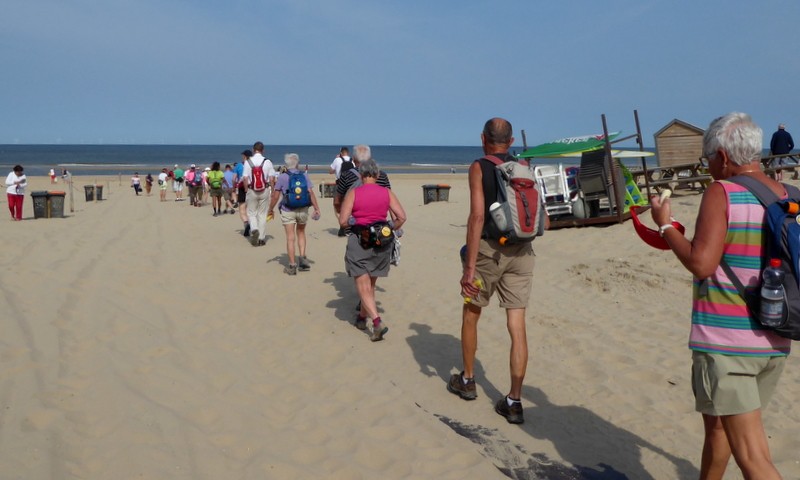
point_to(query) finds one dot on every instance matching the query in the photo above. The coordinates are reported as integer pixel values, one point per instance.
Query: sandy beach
(149, 340)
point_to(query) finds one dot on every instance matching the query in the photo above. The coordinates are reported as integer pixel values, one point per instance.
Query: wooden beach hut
(679, 142)
(679, 146)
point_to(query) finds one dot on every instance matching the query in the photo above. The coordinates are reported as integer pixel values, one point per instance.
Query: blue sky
(404, 73)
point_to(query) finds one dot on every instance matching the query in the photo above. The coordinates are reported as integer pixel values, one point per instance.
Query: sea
(144, 159)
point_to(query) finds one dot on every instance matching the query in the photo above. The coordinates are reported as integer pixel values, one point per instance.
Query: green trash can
(429, 194)
(55, 203)
(39, 204)
(89, 191)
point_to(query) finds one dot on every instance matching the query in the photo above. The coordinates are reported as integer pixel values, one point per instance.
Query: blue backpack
(297, 194)
(782, 241)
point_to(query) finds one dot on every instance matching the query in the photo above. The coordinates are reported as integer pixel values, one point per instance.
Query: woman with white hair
(736, 361)
(297, 194)
(369, 248)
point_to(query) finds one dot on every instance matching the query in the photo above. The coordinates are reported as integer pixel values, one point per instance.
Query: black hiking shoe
(456, 385)
(512, 413)
(246, 232)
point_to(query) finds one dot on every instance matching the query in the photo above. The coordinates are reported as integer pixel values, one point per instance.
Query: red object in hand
(650, 236)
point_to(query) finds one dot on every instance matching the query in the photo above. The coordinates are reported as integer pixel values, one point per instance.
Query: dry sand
(149, 340)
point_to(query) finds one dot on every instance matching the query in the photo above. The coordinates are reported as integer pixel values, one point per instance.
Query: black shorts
(241, 195)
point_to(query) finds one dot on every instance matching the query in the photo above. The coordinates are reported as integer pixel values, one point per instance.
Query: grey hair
(737, 134)
(291, 160)
(369, 168)
(362, 153)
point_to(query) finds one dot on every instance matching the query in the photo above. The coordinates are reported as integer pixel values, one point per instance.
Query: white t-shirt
(337, 164)
(13, 188)
(162, 177)
(257, 160)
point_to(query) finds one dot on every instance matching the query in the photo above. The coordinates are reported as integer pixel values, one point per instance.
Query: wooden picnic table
(685, 175)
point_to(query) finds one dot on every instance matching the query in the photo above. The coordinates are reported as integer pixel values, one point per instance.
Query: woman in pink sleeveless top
(368, 204)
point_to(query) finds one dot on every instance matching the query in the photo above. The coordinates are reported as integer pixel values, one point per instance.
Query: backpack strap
(497, 161)
(766, 197)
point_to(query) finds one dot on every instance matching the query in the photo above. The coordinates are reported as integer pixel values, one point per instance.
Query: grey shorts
(731, 384)
(372, 261)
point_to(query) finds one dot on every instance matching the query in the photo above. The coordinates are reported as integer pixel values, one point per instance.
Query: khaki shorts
(299, 216)
(507, 270)
(731, 384)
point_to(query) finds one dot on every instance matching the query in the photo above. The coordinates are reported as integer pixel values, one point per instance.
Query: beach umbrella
(568, 145)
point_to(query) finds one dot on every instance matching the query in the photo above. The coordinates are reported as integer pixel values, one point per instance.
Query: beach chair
(595, 182)
(555, 190)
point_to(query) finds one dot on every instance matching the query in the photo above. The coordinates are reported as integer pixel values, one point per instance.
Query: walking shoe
(290, 270)
(246, 232)
(254, 238)
(456, 385)
(378, 331)
(302, 264)
(513, 413)
(261, 243)
(361, 323)
(341, 232)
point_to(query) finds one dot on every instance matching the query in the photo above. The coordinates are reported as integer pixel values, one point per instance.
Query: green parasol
(562, 146)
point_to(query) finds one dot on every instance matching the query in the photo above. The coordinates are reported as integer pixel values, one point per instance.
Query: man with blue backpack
(298, 195)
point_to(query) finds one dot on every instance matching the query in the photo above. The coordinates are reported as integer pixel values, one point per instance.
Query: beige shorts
(506, 270)
(732, 385)
(299, 216)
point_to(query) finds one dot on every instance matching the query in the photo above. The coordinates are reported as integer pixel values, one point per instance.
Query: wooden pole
(612, 172)
(641, 149)
(71, 194)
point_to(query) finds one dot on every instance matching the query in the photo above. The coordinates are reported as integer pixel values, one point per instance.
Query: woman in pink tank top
(362, 207)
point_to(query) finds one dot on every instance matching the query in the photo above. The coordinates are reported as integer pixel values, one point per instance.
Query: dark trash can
(89, 190)
(99, 191)
(429, 194)
(327, 190)
(39, 204)
(55, 203)
(443, 193)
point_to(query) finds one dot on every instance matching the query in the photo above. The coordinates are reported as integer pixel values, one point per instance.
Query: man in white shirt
(336, 166)
(257, 200)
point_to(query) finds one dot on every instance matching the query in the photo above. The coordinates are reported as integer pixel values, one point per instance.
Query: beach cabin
(678, 142)
(679, 146)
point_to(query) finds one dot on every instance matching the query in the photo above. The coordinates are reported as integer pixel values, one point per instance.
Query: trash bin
(99, 191)
(55, 203)
(327, 189)
(89, 190)
(39, 204)
(429, 194)
(443, 193)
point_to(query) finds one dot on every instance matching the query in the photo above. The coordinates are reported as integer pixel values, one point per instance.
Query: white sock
(511, 402)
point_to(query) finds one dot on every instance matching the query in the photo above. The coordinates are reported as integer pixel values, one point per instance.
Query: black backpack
(782, 241)
(346, 165)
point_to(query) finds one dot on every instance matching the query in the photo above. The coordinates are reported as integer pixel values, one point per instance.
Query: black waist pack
(379, 234)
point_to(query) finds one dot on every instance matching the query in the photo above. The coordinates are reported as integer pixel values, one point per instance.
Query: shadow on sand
(576, 432)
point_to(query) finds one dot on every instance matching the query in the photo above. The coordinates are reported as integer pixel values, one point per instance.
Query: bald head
(497, 135)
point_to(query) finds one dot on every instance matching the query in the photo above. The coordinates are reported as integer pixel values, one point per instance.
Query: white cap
(208, 169)
(193, 165)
